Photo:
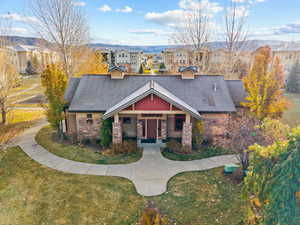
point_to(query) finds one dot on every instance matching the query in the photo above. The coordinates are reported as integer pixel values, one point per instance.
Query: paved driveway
(150, 175)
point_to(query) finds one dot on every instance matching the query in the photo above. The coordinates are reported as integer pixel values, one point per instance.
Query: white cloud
(79, 3)
(126, 9)
(105, 8)
(19, 18)
(13, 30)
(249, 1)
(212, 7)
(168, 18)
(146, 31)
(291, 28)
(174, 17)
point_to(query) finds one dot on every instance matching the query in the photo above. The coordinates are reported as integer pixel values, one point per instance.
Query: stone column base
(187, 135)
(117, 133)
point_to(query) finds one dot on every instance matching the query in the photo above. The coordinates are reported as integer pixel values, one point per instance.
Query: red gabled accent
(152, 102)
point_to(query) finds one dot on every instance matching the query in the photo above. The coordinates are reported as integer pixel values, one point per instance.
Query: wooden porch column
(117, 130)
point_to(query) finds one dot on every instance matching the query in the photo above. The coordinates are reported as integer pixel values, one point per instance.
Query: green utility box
(230, 168)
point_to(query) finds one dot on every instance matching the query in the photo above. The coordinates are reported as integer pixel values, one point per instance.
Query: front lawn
(81, 154)
(31, 194)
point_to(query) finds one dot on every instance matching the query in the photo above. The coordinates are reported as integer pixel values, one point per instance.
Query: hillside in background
(249, 45)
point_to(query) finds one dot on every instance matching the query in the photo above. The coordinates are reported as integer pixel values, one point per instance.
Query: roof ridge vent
(215, 87)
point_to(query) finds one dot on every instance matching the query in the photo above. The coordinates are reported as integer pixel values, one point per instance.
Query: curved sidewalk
(150, 175)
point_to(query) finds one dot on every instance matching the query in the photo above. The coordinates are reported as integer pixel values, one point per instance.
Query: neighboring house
(151, 107)
(288, 58)
(175, 58)
(131, 59)
(27, 53)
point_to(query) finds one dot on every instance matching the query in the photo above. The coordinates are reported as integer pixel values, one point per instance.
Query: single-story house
(151, 107)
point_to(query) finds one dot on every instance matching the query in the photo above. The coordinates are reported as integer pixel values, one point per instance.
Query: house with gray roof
(151, 108)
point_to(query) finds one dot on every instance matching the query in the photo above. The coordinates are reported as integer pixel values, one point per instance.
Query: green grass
(31, 194)
(292, 115)
(204, 198)
(81, 154)
(200, 154)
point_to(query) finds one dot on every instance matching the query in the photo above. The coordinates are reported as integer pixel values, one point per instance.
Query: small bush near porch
(86, 153)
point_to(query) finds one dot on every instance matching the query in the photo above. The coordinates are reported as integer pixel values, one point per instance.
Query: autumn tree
(54, 80)
(293, 81)
(243, 131)
(9, 76)
(264, 86)
(273, 181)
(8, 80)
(90, 63)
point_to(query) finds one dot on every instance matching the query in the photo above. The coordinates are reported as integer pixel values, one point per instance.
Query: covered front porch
(152, 127)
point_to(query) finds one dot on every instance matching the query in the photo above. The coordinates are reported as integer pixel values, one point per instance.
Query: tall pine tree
(293, 81)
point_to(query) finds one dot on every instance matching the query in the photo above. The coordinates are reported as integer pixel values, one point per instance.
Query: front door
(151, 129)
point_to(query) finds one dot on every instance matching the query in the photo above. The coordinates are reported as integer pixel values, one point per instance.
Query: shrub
(117, 149)
(185, 150)
(130, 147)
(106, 132)
(198, 134)
(174, 146)
(126, 147)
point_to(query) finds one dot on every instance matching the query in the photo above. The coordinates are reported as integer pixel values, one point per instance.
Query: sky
(151, 22)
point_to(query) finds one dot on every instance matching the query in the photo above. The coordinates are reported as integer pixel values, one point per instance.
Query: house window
(179, 119)
(89, 118)
(126, 120)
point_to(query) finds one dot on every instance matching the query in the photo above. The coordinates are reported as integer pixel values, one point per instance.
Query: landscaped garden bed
(87, 153)
(174, 151)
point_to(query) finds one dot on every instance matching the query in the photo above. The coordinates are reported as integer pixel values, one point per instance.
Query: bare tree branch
(235, 35)
(195, 31)
(64, 25)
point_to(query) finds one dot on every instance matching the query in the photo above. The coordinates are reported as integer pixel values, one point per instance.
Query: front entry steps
(156, 143)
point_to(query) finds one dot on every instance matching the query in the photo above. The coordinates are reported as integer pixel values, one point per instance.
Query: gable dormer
(188, 72)
(117, 72)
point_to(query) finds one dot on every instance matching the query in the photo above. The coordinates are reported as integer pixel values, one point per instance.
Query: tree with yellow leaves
(9, 78)
(264, 85)
(90, 62)
(54, 79)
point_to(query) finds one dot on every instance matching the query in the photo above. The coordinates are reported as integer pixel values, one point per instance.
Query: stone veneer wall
(215, 126)
(86, 130)
(187, 134)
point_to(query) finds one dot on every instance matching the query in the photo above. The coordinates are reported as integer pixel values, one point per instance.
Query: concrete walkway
(150, 175)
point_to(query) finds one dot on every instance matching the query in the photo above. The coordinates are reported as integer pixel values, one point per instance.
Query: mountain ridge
(251, 45)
